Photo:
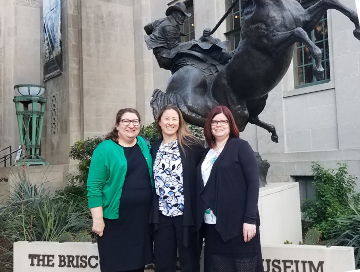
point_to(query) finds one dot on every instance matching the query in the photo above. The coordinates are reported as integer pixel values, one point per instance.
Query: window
(306, 188)
(304, 62)
(233, 24)
(188, 28)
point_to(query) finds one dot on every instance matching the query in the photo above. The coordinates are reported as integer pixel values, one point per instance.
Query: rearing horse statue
(268, 33)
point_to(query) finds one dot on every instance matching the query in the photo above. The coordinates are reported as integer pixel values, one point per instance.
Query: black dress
(126, 243)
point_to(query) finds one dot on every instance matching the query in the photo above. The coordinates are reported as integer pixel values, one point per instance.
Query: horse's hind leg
(282, 41)
(315, 12)
(255, 107)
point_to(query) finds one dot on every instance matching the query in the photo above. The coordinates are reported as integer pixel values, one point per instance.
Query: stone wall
(108, 63)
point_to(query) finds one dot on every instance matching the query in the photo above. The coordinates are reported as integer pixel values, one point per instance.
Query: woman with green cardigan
(120, 195)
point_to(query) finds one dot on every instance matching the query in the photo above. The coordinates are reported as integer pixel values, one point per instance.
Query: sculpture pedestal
(280, 215)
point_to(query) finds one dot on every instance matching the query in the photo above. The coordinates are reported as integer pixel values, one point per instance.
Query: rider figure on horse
(164, 38)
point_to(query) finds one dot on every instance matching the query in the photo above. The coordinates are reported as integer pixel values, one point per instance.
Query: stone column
(20, 62)
(147, 72)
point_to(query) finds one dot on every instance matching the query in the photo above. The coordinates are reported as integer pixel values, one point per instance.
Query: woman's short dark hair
(234, 132)
(113, 135)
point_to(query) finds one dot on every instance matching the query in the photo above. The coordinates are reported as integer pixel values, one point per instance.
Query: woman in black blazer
(227, 196)
(175, 158)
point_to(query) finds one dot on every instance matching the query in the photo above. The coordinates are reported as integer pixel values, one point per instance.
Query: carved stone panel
(28, 3)
(54, 114)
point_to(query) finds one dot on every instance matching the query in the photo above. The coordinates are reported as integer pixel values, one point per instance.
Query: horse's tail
(160, 99)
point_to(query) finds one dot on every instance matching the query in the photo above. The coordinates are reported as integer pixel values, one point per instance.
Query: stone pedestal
(280, 215)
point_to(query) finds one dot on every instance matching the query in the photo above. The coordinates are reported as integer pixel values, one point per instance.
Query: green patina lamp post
(30, 108)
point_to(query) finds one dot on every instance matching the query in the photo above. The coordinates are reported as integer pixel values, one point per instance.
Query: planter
(56, 257)
(29, 89)
(303, 258)
(72, 257)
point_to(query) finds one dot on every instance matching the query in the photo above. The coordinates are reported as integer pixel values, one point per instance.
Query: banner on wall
(52, 38)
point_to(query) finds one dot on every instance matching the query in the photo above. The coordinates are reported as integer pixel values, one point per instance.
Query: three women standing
(176, 155)
(120, 195)
(219, 196)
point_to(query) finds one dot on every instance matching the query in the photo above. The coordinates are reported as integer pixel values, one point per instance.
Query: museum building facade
(106, 66)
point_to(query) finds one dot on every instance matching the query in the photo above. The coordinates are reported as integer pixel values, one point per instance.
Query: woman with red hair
(227, 196)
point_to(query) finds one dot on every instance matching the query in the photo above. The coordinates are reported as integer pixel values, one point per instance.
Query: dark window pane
(318, 32)
(236, 21)
(299, 76)
(309, 76)
(237, 39)
(307, 56)
(231, 40)
(326, 50)
(298, 57)
(188, 28)
(325, 29)
(192, 35)
(327, 70)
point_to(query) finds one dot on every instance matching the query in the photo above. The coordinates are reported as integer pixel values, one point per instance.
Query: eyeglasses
(215, 123)
(127, 122)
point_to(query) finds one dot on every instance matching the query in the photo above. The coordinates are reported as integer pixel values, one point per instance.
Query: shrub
(334, 191)
(150, 132)
(33, 214)
(82, 151)
(350, 233)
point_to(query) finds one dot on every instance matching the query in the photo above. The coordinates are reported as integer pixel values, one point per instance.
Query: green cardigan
(107, 175)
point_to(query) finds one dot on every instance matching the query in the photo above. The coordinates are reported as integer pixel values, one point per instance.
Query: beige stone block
(73, 36)
(126, 53)
(75, 125)
(91, 64)
(91, 95)
(74, 51)
(27, 31)
(98, 125)
(75, 81)
(90, 50)
(73, 7)
(112, 67)
(128, 3)
(109, 52)
(112, 81)
(74, 21)
(74, 65)
(21, 11)
(99, 19)
(74, 110)
(128, 82)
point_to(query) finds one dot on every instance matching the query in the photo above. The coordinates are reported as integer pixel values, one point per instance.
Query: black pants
(168, 240)
(136, 270)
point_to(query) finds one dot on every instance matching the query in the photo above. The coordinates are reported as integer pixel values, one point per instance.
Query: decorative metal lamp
(30, 108)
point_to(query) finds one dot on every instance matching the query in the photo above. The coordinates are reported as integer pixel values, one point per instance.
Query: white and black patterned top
(168, 177)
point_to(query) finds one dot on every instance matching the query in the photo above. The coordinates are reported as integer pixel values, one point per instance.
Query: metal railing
(7, 156)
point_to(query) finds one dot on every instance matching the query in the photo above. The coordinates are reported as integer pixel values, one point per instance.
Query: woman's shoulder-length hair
(234, 132)
(184, 136)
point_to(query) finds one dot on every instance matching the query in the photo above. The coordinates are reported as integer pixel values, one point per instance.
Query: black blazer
(189, 162)
(232, 190)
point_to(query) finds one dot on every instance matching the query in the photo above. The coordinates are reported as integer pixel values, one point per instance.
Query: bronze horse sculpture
(270, 28)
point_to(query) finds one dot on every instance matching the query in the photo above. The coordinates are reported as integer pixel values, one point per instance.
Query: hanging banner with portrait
(52, 38)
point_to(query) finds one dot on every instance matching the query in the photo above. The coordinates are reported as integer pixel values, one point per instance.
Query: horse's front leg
(314, 13)
(281, 41)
